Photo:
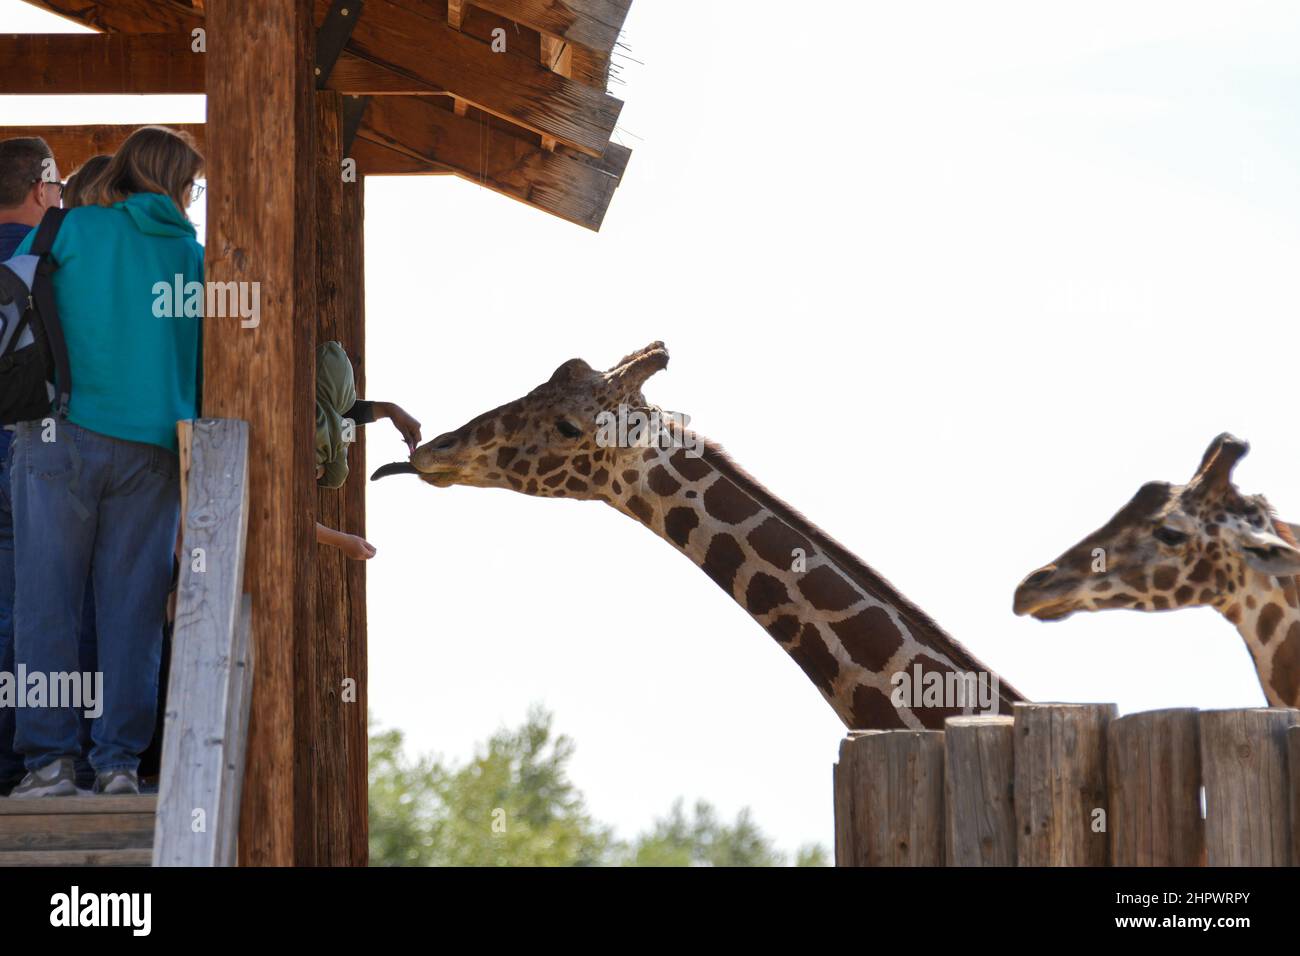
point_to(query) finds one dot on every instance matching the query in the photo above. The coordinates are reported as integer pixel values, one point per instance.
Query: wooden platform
(77, 831)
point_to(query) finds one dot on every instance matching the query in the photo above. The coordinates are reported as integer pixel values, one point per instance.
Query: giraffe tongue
(396, 468)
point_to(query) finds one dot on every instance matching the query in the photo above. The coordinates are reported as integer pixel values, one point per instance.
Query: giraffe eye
(1169, 536)
(568, 430)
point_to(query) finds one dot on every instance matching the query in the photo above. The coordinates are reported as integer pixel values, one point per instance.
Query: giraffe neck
(1268, 619)
(847, 628)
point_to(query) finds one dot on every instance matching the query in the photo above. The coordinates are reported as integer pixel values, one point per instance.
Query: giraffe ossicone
(1202, 544)
(878, 660)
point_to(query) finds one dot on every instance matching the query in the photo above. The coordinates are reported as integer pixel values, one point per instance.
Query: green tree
(514, 805)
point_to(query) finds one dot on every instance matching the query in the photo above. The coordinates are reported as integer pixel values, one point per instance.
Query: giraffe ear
(569, 371)
(632, 371)
(1267, 552)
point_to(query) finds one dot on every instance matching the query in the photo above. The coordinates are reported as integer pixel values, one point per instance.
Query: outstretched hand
(404, 422)
(356, 547)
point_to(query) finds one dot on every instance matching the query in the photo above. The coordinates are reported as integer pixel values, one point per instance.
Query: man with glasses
(29, 185)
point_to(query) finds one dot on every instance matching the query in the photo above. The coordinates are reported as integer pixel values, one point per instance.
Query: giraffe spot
(1290, 590)
(532, 487)
(1164, 578)
(598, 455)
(549, 463)
(1220, 579)
(826, 590)
(631, 476)
(870, 637)
(505, 455)
(774, 541)
(723, 560)
(873, 710)
(728, 503)
(1286, 667)
(1201, 573)
(1207, 596)
(555, 480)
(1183, 594)
(485, 433)
(582, 465)
(1136, 578)
(1251, 603)
(661, 482)
(678, 525)
(1160, 602)
(765, 593)
(1103, 586)
(650, 454)
(618, 489)
(600, 476)
(576, 484)
(1118, 600)
(932, 716)
(815, 659)
(690, 467)
(640, 509)
(1233, 613)
(511, 422)
(692, 493)
(516, 484)
(1267, 622)
(1212, 530)
(784, 628)
(521, 466)
(494, 476)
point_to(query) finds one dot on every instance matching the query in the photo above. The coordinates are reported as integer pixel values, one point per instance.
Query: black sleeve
(363, 413)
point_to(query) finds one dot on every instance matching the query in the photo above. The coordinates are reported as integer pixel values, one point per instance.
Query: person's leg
(132, 567)
(54, 534)
(11, 762)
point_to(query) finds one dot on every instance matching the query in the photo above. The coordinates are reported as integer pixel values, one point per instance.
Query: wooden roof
(428, 92)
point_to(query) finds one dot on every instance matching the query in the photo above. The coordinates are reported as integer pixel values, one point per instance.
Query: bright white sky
(953, 279)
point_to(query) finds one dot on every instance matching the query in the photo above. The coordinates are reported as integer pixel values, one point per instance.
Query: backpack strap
(46, 309)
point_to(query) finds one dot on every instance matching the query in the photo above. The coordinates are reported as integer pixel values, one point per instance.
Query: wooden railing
(210, 686)
(1074, 784)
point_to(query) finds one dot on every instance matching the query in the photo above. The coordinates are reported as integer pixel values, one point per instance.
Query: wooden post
(261, 229)
(331, 707)
(1060, 793)
(1247, 799)
(890, 799)
(979, 784)
(1153, 764)
(1293, 771)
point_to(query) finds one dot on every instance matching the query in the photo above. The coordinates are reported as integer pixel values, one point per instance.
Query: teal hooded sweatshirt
(134, 374)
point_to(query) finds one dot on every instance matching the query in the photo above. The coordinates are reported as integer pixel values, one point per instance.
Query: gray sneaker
(58, 778)
(117, 782)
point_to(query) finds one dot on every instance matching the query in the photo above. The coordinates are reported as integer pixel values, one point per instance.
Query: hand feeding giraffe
(1194, 545)
(844, 625)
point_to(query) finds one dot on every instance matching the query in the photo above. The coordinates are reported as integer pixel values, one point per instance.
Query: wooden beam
(594, 24)
(36, 63)
(127, 16)
(375, 159)
(402, 36)
(261, 229)
(490, 156)
(73, 145)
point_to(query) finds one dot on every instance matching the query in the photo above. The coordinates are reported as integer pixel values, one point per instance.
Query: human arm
(352, 546)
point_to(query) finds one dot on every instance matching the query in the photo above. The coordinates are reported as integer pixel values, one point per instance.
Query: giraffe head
(1173, 546)
(558, 441)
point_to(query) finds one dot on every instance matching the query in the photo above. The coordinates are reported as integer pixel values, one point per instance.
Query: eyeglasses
(51, 182)
(196, 191)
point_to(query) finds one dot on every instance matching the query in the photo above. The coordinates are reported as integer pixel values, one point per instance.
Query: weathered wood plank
(375, 159)
(73, 145)
(1153, 765)
(1247, 798)
(34, 64)
(102, 803)
(127, 857)
(196, 740)
(409, 40)
(893, 793)
(551, 181)
(1293, 769)
(1060, 771)
(979, 790)
(241, 705)
(127, 16)
(77, 831)
(261, 228)
(595, 24)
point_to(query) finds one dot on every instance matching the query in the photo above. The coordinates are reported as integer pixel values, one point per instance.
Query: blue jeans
(11, 762)
(89, 506)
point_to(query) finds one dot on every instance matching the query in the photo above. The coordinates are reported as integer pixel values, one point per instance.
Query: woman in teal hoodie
(98, 492)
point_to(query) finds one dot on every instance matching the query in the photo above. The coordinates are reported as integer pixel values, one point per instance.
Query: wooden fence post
(889, 799)
(978, 775)
(1247, 798)
(1060, 791)
(1153, 763)
(1293, 768)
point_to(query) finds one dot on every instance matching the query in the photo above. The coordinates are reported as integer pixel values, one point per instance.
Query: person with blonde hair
(96, 491)
(77, 190)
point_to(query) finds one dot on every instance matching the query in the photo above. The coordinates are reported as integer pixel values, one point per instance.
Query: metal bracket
(354, 107)
(333, 36)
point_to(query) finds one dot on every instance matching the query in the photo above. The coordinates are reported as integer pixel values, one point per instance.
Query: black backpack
(35, 380)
